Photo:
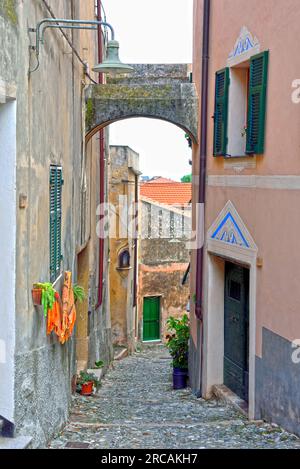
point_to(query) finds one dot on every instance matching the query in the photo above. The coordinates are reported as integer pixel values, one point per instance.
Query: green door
(236, 327)
(151, 321)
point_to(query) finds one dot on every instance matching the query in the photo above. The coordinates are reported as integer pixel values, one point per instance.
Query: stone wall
(124, 164)
(164, 257)
(163, 281)
(277, 382)
(49, 131)
(154, 90)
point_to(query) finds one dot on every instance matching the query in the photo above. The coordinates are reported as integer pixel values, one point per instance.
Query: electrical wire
(69, 42)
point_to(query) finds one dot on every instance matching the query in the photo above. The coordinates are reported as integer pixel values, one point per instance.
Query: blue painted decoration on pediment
(243, 46)
(229, 232)
(244, 43)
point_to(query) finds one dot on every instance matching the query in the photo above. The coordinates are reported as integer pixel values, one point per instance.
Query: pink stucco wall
(271, 215)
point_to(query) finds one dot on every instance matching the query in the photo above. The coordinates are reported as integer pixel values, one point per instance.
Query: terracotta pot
(87, 389)
(37, 296)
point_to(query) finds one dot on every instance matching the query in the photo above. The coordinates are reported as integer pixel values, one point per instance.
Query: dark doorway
(151, 320)
(236, 328)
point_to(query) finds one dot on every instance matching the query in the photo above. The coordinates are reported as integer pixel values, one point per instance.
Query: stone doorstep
(222, 393)
(19, 442)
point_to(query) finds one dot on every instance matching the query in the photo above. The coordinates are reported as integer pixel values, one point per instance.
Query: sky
(153, 31)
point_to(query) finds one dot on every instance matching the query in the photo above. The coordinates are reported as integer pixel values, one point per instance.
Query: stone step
(19, 442)
(120, 353)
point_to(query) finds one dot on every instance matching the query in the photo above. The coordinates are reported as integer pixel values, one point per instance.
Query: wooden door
(151, 321)
(236, 345)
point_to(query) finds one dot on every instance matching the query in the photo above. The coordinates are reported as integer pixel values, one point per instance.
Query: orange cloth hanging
(54, 317)
(68, 309)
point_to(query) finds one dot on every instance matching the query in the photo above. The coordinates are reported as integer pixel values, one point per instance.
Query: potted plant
(99, 364)
(178, 345)
(43, 294)
(87, 381)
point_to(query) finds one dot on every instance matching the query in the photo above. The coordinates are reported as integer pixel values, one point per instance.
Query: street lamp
(111, 64)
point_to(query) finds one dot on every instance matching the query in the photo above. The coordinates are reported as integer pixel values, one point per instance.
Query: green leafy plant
(178, 340)
(99, 364)
(189, 140)
(79, 293)
(48, 295)
(85, 377)
(187, 178)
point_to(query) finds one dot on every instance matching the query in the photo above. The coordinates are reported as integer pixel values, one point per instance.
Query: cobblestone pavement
(137, 408)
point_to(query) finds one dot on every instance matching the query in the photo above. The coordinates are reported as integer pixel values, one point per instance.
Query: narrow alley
(137, 408)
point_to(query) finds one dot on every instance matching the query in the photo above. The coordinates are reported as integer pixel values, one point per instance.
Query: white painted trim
(157, 341)
(8, 204)
(216, 253)
(239, 163)
(279, 182)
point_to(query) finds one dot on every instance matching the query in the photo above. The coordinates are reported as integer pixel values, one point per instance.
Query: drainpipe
(102, 164)
(202, 176)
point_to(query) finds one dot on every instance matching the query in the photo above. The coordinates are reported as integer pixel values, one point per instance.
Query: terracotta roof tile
(159, 180)
(169, 193)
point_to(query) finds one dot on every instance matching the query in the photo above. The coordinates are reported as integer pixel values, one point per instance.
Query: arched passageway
(162, 92)
(154, 91)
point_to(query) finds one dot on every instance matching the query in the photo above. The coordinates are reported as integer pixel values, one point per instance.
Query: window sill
(230, 157)
(242, 162)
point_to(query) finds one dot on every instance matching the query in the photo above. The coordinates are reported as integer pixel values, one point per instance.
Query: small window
(149, 220)
(160, 223)
(124, 259)
(55, 223)
(172, 225)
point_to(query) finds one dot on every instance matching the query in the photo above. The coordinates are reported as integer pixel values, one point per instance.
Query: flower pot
(37, 296)
(87, 389)
(180, 376)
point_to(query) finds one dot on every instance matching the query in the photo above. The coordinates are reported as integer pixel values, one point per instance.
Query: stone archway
(162, 92)
(154, 91)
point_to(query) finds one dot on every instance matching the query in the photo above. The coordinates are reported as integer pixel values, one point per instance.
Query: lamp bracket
(51, 23)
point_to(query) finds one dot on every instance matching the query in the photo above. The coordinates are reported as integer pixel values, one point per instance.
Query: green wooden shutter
(151, 319)
(221, 112)
(56, 182)
(257, 103)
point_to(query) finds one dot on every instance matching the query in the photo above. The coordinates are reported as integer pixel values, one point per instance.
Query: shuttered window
(221, 112)
(56, 183)
(257, 103)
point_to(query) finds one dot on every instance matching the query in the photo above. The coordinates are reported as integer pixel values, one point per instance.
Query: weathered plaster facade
(123, 190)
(43, 116)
